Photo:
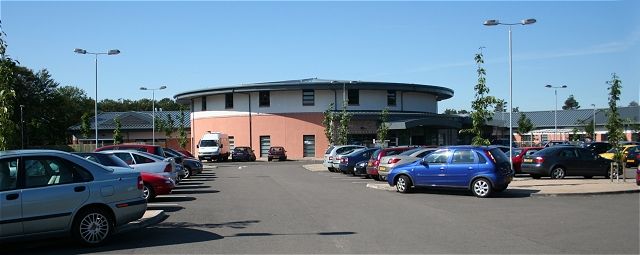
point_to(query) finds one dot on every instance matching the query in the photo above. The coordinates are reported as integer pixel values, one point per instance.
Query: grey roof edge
(314, 83)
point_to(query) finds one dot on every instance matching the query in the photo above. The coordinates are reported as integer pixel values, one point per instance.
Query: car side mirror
(424, 162)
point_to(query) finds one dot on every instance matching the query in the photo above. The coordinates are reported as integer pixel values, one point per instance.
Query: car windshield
(208, 143)
(375, 154)
(240, 149)
(612, 150)
(516, 152)
(409, 152)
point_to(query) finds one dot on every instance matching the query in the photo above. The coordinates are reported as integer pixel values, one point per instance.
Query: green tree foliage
(182, 133)
(160, 125)
(343, 128)
(571, 104)
(117, 135)
(85, 125)
(524, 125)
(482, 101)
(501, 106)
(614, 122)
(633, 104)
(6, 132)
(168, 129)
(144, 104)
(8, 127)
(383, 129)
(328, 123)
(589, 128)
(515, 109)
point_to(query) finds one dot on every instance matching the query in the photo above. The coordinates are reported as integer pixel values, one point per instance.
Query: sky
(194, 45)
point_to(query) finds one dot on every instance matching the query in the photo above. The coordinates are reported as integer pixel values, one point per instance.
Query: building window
(228, 100)
(308, 145)
(232, 142)
(265, 100)
(353, 97)
(204, 103)
(265, 143)
(308, 97)
(391, 98)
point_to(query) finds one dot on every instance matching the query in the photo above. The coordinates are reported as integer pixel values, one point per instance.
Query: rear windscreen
(329, 150)
(499, 156)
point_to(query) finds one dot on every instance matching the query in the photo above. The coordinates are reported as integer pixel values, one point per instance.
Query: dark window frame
(353, 97)
(308, 97)
(392, 98)
(228, 100)
(203, 103)
(264, 99)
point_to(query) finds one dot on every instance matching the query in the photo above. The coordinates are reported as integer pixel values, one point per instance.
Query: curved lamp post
(110, 52)
(555, 112)
(495, 22)
(153, 114)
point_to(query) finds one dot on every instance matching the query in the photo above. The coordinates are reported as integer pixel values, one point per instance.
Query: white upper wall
(291, 101)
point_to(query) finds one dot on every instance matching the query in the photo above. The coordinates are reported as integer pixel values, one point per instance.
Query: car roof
(30, 152)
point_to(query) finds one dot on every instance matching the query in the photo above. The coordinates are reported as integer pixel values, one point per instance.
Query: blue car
(349, 161)
(481, 169)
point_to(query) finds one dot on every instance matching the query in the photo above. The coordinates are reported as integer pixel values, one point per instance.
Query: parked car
(186, 153)
(638, 176)
(389, 162)
(348, 161)
(519, 153)
(560, 161)
(481, 169)
(154, 184)
(191, 166)
(598, 147)
(153, 149)
(277, 152)
(374, 161)
(338, 158)
(556, 142)
(611, 152)
(149, 163)
(243, 153)
(332, 151)
(361, 168)
(46, 192)
(633, 157)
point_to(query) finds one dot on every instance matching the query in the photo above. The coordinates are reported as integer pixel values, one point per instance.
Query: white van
(213, 145)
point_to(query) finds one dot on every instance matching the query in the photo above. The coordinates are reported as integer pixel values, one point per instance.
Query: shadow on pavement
(182, 192)
(161, 199)
(188, 186)
(165, 208)
(509, 193)
(233, 224)
(293, 234)
(189, 182)
(148, 237)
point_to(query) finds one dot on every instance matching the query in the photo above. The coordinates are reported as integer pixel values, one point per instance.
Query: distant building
(290, 113)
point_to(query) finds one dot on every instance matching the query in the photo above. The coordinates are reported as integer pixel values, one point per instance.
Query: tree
(633, 104)
(614, 122)
(181, 129)
(450, 111)
(500, 106)
(160, 124)
(463, 111)
(85, 126)
(524, 125)
(8, 127)
(117, 136)
(589, 128)
(480, 104)
(383, 129)
(328, 123)
(168, 129)
(571, 104)
(343, 128)
(515, 109)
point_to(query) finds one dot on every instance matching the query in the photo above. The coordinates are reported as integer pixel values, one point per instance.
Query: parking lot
(281, 207)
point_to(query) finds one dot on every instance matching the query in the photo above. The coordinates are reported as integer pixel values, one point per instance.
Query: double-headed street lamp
(494, 22)
(110, 52)
(594, 122)
(555, 112)
(153, 114)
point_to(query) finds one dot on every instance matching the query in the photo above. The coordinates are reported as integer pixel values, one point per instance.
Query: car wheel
(481, 187)
(403, 184)
(269, 159)
(187, 173)
(535, 176)
(557, 173)
(147, 192)
(92, 226)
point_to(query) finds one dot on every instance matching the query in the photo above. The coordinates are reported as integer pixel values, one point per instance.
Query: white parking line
(188, 186)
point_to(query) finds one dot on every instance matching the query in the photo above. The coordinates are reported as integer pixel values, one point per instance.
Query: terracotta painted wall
(284, 130)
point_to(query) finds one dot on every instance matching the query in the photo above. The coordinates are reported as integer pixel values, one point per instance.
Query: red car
(153, 149)
(155, 184)
(519, 153)
(638, 176)
(374, 161)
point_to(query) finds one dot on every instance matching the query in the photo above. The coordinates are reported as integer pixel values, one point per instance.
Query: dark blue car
(349, 161)
(481, 169)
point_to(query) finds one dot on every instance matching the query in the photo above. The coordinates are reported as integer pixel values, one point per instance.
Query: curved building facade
(290, 113)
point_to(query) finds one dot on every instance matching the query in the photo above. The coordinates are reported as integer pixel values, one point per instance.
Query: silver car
(54, 192)
(147, 162)
(332, 151)
(407, 157)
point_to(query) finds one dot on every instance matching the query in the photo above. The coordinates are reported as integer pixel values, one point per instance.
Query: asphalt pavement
(280, 207)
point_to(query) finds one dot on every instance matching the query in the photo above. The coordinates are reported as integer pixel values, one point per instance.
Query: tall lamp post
(110, 52)
(594, 122)
(555, 112)
(153, 114)
(21, 127)
(494, 22)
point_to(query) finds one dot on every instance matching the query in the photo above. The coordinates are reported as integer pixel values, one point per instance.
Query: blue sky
(194, 45)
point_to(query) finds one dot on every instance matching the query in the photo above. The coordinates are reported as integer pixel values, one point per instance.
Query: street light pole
(594, 122)
(153, 112)
(21, 127)
(555, 112)
(110, 52)
(493, 22)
